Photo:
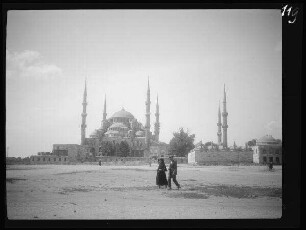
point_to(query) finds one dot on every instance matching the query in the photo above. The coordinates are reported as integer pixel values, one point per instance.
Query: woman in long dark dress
(161, 178)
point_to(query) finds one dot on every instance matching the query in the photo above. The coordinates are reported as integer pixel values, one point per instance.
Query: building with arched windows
(267, 149)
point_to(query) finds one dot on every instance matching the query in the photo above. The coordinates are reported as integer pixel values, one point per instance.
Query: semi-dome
(118, 125)
(140, 133)
(123, 114)
(111, 131)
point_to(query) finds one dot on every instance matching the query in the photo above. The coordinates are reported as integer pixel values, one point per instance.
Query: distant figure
(270, 165)
(161, 179)
(100, 162)
(150, 162)
(172, 173)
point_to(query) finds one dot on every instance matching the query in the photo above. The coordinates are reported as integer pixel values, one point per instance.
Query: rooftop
(123, 114)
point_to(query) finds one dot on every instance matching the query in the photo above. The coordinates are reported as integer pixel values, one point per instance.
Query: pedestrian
(161, 179)
(270, 165)
(172, 173)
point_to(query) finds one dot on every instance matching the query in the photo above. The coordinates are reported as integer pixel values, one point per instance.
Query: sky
(188, 55)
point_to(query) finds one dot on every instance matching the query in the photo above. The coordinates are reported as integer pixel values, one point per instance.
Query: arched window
(277, 160)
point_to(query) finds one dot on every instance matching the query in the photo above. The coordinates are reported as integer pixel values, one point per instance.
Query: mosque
(123, 126)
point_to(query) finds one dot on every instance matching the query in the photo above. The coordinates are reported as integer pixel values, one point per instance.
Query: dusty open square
(129, 192)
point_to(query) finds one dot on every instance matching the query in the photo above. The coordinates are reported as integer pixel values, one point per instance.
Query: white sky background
(188, 55)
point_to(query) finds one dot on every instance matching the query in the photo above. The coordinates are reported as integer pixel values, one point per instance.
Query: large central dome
(267, 138)
(123, 114)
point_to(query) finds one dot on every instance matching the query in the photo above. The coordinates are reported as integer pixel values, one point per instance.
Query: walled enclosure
(180, 160)
(220, 157)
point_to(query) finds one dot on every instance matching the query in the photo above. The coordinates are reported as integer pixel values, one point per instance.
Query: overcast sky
(188, 55)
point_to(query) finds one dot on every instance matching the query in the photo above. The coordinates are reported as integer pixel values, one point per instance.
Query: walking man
(172, 173)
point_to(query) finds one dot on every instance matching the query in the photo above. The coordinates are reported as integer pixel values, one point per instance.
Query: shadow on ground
(236, 191)
(141, 170)
(191, 192)
(13, 180)
(74, 172)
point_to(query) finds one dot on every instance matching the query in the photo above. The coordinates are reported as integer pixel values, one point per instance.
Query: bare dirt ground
(129, 192)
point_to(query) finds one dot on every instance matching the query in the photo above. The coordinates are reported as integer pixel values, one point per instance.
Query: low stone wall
(113, 159)
(179, 160)
(137, 160)
(108, 160)
(49, 160)
(220, 157)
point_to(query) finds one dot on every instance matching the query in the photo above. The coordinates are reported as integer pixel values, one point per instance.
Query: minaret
(219, 133)
(224, 126)
(147, 127)
(84, 114)
(157, 125)
(104, 113)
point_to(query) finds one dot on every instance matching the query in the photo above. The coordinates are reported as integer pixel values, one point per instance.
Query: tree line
(17, 160)
(121, 149)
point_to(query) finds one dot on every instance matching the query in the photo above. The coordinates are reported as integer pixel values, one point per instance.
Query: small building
(62, 154)
(267, 149)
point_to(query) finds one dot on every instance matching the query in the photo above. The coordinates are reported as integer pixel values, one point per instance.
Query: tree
(252, 142)
(107, 149)
(208, 144)
(181, 143)
(239, 148)
(26, 160)
(279, 141)
(124, 149)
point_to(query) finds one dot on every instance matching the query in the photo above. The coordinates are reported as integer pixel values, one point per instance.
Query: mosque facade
(122, 126)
